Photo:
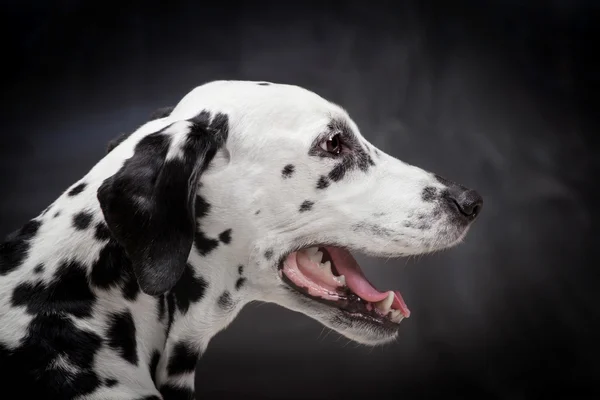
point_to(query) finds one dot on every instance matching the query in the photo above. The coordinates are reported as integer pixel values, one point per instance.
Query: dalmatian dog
(244, 191)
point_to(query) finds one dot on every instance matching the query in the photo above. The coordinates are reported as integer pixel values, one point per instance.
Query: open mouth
(332, 276)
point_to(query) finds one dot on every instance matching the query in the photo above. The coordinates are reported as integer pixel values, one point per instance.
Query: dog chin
(365, 332)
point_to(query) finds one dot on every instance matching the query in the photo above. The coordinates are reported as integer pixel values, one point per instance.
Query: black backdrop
(497, 95)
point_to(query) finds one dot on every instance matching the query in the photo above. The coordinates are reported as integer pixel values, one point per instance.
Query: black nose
(468, 201)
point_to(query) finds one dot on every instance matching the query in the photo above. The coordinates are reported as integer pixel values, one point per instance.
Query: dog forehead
(268, 107)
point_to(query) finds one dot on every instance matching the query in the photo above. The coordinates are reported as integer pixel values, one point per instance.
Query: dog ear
(149, 203)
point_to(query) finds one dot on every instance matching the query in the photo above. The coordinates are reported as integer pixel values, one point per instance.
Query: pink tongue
(357, 282)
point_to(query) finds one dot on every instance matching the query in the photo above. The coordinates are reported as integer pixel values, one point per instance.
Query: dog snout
(466, 201)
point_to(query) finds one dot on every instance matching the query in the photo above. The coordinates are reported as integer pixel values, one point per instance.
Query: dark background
(496, 95)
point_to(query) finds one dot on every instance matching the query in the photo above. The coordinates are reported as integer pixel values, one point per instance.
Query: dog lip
(316, 280)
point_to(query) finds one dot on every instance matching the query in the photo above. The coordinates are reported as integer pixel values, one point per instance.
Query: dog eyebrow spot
(287, 171)
(183, 359)
(16, 248)
(269, 254)
(306, 206)
(77, 189)
(428, 194)
(189, 289)
(39, 269)
(122, 336)
(240, 269)
(56, 214)
(257, 212)
(322, 183)
(225, 301)
(82, 220)
(225, 236)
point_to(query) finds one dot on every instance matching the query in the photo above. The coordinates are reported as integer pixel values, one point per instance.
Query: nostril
(470, 203)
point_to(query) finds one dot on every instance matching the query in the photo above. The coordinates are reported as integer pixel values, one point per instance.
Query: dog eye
(333, 145)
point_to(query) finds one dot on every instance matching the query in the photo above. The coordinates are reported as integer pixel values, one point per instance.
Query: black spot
(189, 289)
(269, 254)
(16, 247)
(287, 171)
(56, 214)
(121, 336)
(323, 182)
(77, 189)
(160, 305)
(110, 382)
(339, 171)
(183, 359)
(264, 84)
(68, 292)
(112, 268)
(38, 269)
(239, 283)
(172, 392)
(225, 301)
(154, 364)
(202, 208)
(102, 232)
(240, 269)
(30, 368)
(82, 220)
(257, 212)
(204, 244)
(225, 236)
(428, 194)
(306, 206)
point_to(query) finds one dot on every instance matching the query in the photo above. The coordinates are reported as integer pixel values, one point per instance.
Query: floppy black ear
(149, 203)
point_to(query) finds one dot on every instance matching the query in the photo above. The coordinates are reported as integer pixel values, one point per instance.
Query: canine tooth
(327, 267)
(396, 316)
(311, 251)
(341, 280)
(317, 257)
(385, 304)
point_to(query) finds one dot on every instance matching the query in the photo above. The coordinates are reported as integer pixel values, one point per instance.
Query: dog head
(277, 181)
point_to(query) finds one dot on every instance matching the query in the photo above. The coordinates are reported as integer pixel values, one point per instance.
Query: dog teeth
(327, 267)
(341, 280)
(311, 251)
(317, 257)
(396, 316)
(385, 304)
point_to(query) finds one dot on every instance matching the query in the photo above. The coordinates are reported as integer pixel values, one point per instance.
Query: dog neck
(209, 295)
